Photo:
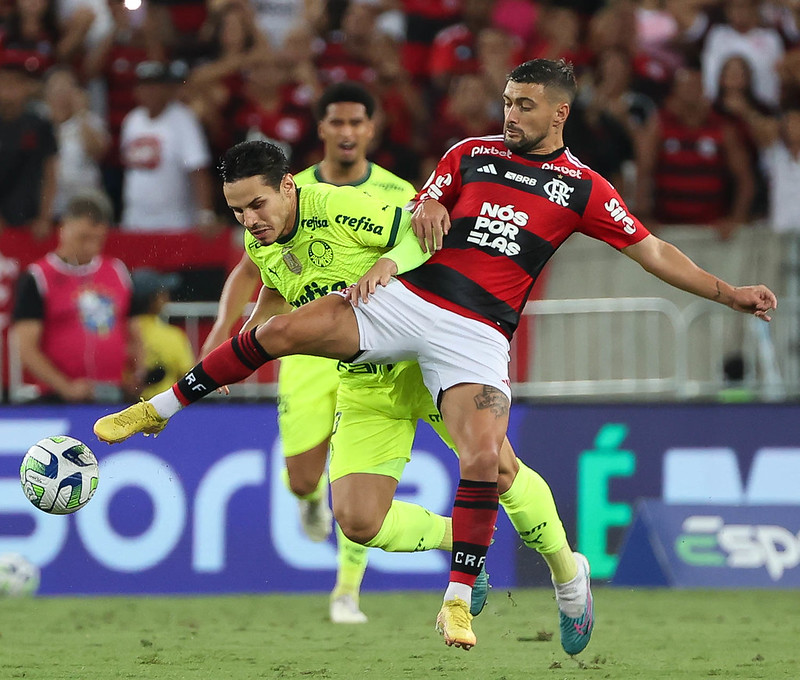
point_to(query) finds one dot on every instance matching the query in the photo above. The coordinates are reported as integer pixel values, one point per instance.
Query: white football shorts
(396, 324)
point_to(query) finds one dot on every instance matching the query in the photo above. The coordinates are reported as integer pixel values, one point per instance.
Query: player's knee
(276, 335)
(301, 487)
(481, 460)
(357, 528)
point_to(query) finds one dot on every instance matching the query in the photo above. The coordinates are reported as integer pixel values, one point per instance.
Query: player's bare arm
(430, 223)
(236, 293)
(669, 264)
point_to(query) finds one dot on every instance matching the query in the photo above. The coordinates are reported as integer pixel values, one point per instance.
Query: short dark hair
(349, 92)
(90, 203)
(548, 72)
(253, 159)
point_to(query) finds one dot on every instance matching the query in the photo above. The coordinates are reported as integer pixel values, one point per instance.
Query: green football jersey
(339, 233)
(377, 182)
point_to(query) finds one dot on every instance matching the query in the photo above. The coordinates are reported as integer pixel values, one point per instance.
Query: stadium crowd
(141, 96)
(690, 107)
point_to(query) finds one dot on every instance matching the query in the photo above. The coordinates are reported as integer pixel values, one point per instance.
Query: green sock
(410, 528)
(530, 506)
(315, 495)
(352, 565)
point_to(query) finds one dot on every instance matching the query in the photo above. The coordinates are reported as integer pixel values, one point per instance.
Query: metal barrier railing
(600, 347)
(629, 347)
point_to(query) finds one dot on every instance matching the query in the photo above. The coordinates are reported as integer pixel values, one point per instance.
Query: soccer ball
(18, 576)
(59, 475)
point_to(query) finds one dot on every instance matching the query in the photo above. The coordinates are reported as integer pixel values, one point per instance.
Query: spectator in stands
(454, 50)
(779, 142)
(167, 184)
(71, 311)
(113, 62)
(28, 150)
(349, 51)
(424, 20)
(401, 120)
(498, 53)
(275, 110)
(34, 30)
(692, 169)
(466, 112)
(559, 36)
(607, 122)
(216, 85)
(82, 136)
(738, 104)
(167, 353)
(743, 34)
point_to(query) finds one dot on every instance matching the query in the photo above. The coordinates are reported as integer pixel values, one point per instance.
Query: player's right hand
(430, 223)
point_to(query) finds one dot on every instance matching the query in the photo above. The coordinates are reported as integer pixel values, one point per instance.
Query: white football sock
(571, 596)
(166, 403)
(460, 590)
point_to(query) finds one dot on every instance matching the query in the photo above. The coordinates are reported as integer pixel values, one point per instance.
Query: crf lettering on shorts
(314, 290)
(618, 214)
(468, 559)
(356, 223)
(497, 227)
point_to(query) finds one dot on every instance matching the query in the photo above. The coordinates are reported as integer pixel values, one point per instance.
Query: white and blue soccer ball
(59, 475)
(18, 576)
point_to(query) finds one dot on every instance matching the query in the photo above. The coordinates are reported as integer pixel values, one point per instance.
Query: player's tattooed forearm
(494, 399)
(719, 292)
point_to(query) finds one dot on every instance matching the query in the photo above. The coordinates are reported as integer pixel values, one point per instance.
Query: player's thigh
(361, 500)
(477, 418)
(306, 402)
(369, 441)
(324, 327)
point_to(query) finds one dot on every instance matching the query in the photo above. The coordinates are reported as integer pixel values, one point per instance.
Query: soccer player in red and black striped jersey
(494, 211)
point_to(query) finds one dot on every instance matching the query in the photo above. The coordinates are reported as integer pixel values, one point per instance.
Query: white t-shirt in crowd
(783, 174)
(159, 155)
(77, 170)
(761, 47)
(275, 18)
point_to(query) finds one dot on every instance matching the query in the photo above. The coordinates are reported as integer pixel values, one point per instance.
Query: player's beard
(523, 144)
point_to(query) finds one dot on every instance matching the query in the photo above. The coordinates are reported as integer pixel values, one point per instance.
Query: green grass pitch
(640, 634)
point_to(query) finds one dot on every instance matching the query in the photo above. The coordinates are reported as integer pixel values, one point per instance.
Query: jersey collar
(291, 234)
(318, 176)
(544, 157)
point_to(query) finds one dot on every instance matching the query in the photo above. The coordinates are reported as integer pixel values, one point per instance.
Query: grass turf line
(640, 635)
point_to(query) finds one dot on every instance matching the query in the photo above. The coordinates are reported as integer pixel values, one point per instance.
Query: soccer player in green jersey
(307, 385)
(313, 240)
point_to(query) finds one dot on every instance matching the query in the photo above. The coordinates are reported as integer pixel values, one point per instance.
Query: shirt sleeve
(365, 219)
(608, 219)
(444, 184)
(407, 254)
(28, 303)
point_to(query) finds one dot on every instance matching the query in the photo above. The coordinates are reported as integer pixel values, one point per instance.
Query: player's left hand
(757, 300)
(379, 274)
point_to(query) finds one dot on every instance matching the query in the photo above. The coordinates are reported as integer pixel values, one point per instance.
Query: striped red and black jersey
(691, 172)
(509, 213)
